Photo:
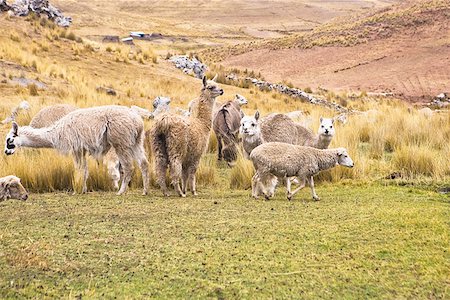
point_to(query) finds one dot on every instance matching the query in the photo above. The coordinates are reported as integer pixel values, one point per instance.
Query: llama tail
(24, 105)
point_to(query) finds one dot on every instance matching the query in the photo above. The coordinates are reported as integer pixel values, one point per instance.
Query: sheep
(11, 188)
(179, 142)
(280, 160)
(90, 130)
(226, 124)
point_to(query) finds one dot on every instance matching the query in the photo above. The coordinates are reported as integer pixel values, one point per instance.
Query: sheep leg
(288, 188)
(313, 191)
(302, 185)
(219, 147)
(81, 167)
(176, 169)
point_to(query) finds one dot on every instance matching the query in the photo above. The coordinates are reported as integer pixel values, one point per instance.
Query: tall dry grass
(392, 140)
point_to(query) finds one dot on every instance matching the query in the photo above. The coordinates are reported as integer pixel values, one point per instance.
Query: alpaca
(281, 160)
(179, 142)
(11, 188)
(50, 114)
(226, 124)
(91, 131)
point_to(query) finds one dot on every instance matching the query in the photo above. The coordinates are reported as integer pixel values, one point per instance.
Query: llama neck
(204, 111)
(34, 137)
(326, 159)
(323, 141)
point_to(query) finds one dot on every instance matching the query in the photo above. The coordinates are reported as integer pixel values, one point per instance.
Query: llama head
(11, 188)
(249, 125)
(12, 139)
(326, 128)
(343, 158)
(211, 89)
(240, 99)
(230, 152)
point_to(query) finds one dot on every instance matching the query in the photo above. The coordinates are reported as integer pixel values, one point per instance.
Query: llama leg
(127, 167)
(191, 171)
(302, 185)
(160, 169)
(184, 180)
(176, 169)
(84, 166)
(219, 147)
(255, 186)
(313, 191)
(143, 165)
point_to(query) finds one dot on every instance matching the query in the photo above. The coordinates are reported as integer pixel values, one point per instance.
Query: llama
(11, 188)
(91, 131)
(179, 142)
(226, 124)
(50, 114)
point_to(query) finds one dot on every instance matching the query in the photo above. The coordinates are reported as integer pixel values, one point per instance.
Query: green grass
(359, 241)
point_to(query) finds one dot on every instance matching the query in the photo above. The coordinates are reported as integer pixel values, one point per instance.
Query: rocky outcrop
(39, 7)
(191, 66)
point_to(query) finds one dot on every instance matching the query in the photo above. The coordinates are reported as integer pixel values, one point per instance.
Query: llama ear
(321, 119)
(204, 81)
(215, 77)
(257, 115)
(15, 128)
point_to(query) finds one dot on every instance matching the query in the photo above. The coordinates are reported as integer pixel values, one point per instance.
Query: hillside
(402, 49)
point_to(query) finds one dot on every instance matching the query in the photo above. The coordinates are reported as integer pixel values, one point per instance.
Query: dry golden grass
(394, 140)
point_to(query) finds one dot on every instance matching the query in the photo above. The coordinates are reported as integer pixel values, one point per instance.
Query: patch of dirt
(412, 64)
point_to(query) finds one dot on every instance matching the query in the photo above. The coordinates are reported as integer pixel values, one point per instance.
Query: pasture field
(369, 237)
(359, 241)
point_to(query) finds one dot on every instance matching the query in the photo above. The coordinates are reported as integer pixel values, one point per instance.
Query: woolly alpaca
(49, 115)
(178, 142)
(226, 127)
(94, 131)
(280, 128)
(281, 160)
(11, 188)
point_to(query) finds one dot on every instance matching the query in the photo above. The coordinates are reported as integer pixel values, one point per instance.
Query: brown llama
(179, 142)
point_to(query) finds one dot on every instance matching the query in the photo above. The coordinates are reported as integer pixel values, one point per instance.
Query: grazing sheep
(91, 130)
(281, 160)
(226, 125)
(179, 142)
(24, 105)
(11, 188)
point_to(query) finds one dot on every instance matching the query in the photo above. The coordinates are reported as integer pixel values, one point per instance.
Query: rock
(189, 66)
(39, 7)
(106, 90)
(22, 81)
(4, 6)
(111, 39)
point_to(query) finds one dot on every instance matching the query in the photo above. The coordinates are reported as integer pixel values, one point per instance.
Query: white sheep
(281, 160)
(11, 188)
